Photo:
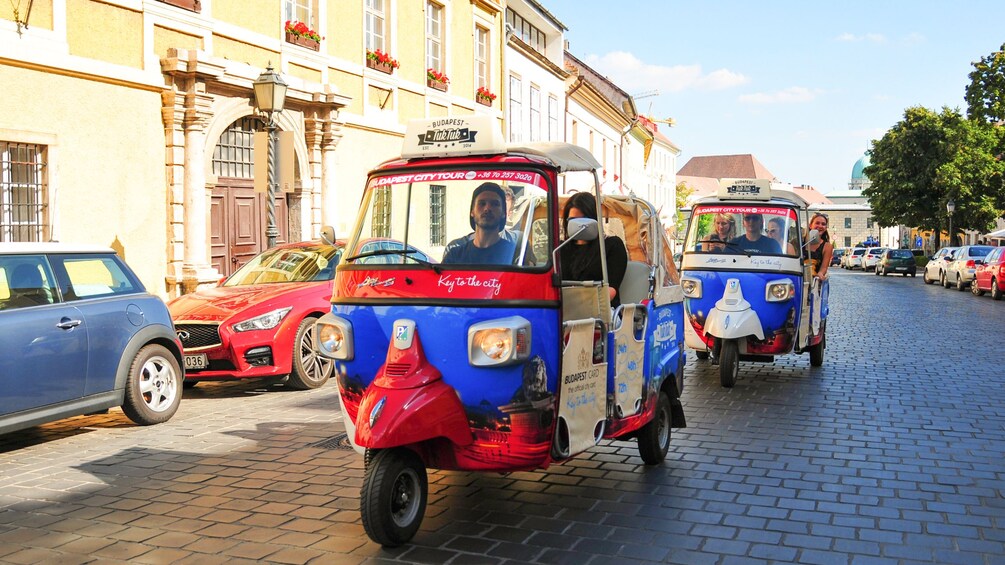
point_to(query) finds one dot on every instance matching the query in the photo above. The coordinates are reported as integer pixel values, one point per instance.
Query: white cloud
(793, 94)
(632, 74)
(871, 37)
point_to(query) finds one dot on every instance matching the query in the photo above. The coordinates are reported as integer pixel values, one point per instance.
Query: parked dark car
(897, 261)
(80, 334)
(836, 256)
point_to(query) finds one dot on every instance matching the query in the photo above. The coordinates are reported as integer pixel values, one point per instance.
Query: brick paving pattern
(892, 452)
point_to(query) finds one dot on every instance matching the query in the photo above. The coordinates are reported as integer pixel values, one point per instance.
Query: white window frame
(515, 109)
(553, 118)
(482, 54)
(435, 40)
(300, 11)
(376, 35)
(535, 112)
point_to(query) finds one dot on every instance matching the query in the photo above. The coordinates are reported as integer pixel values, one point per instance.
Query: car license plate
(900, 268)
(196, 361)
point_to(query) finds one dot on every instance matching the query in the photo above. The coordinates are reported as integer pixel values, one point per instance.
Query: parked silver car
(853, 258)
(960, 271)
(935, 269)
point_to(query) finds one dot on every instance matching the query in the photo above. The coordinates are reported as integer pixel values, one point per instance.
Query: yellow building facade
(130, 123)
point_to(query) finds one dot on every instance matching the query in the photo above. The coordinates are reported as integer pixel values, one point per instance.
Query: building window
(535, 113)
(24, 213)
(299, 11)
(434, 37)
(437, 214)
(847, 223)
(847, 241)
(526, 32)
(553, 119)
(482, 58)
(382, 212)
(515, 108)
(234, 154)
(868, 223)
(375, 26)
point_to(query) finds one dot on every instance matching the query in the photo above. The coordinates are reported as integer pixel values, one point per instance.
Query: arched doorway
(237, 212)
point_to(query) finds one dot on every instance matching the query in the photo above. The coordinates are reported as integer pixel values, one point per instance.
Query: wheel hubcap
(404, 498)
(316, 367)
(158, 384)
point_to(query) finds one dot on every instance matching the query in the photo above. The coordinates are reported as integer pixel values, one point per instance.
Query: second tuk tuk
(747, 280)
(454, 355)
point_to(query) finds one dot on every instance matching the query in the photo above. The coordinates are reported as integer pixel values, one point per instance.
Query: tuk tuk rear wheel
(817, 353)
(729, 363)
(393, 498)
(654, 437)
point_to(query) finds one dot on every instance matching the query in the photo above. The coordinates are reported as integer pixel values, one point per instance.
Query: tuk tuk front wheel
(729, 363)
(654, 437)
(393, 498)
(817, 353)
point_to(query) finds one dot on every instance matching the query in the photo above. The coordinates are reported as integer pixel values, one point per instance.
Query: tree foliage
(683, 193)
(985, 95)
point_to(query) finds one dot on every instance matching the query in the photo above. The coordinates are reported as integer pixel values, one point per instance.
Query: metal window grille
(515, 109)
(382, 212)
(437, 214)
(234, 154)
(374, 28)
(434, 36)
(24, 211)
(847, 223)
(299, 11)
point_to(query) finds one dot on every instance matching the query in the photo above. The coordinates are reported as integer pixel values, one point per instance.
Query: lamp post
(950, 207)
(270, 95)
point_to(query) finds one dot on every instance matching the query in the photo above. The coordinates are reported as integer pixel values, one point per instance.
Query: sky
(803, 86)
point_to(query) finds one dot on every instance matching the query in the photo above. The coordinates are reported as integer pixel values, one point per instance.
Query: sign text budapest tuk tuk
(749, 293)
(458, 345)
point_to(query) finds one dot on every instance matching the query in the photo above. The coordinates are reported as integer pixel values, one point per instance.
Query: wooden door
(238, 217)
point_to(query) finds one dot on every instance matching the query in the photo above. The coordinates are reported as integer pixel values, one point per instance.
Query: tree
(972, 176)
(985, 95)
(683, 193)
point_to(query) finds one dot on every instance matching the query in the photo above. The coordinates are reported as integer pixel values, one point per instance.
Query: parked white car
(935, 269)
(961, 269)
(853, 259)
(871, 258)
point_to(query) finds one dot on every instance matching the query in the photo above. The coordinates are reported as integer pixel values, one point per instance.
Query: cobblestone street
(892, 452)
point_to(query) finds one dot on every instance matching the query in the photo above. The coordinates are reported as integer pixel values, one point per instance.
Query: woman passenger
(580, 260)
(820, 254)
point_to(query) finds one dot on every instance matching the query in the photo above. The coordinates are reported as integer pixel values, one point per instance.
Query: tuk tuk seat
(635, 286)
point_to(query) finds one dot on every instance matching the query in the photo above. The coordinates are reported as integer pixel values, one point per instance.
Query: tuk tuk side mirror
(812, 238)
(328, 235)
(580, 229)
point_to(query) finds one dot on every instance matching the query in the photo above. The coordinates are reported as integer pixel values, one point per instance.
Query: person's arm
(617, 261)
(826, 263)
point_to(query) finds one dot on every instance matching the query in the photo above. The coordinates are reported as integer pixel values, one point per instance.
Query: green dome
(860, 165)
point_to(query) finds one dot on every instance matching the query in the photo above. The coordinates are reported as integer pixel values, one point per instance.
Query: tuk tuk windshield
(768, 230)
(464, 218)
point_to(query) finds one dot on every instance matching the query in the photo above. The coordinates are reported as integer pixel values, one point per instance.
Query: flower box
(380, 61)
(484, 100)
(437, 84)
(378, 66)
(484, 96)
(190, 5)
(303, 41)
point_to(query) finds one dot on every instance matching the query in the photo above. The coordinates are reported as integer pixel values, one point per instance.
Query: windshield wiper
(405, 252)
(726, 244)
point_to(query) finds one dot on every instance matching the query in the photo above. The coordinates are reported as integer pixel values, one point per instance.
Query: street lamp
(950, 207)
(270, 95)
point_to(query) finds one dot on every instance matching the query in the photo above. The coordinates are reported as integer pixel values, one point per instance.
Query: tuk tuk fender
(732, 316)
(412, 415)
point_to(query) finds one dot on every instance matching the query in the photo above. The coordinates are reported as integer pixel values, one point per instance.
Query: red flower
(433, 74)
(301, 29)
(485, 93)
(381, 57)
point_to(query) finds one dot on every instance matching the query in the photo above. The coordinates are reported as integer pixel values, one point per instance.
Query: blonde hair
(727, 217)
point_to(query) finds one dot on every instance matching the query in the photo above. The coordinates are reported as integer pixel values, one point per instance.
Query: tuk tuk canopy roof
(564, 156)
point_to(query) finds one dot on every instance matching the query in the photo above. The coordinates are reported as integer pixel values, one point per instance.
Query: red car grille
(194, 336)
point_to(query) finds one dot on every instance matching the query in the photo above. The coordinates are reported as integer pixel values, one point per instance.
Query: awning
(1000, 234)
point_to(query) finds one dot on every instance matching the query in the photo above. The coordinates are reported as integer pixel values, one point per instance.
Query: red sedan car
(990, 277)
(259, 322)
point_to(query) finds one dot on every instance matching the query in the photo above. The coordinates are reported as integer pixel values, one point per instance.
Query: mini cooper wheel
(654, 437)
(393, 497)
(310, 370)
(153, 386)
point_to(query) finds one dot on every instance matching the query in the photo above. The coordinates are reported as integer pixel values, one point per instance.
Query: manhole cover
(340, 441)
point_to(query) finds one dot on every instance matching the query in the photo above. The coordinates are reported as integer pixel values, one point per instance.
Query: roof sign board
(453, 137)
(744, 189)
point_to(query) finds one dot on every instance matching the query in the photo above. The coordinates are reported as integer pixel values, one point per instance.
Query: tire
(153, 386)
(974, 289)
(924, 277)
(817, 352)
(310, 370)
(703, 355)
(654, 437)
(393, 497)
(945, 281)
(876, 271)
(729, 363)
(959, 283)
(996, 293)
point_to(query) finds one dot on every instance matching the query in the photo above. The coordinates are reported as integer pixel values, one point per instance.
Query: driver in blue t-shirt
(752, 241)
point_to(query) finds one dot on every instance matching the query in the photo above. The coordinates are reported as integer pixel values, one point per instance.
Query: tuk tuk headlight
(333, 337)
(501, 342)
(779, 291)
(691, 287)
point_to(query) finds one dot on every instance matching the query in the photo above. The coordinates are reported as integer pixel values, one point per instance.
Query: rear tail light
(970, 264)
